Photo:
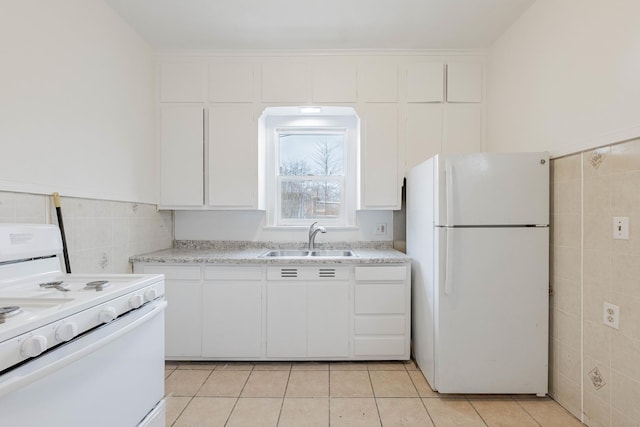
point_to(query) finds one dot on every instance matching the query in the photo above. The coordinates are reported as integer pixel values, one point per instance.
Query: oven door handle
(21, 381)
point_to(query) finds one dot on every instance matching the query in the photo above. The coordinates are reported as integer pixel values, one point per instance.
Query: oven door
(111, 376)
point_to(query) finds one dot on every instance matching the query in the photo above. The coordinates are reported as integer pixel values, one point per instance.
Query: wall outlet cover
(611, 315)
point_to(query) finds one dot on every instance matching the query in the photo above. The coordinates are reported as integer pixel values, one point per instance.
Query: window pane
(311, 154)
(311, 199)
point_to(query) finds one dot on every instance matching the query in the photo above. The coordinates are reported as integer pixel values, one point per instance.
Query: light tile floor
(387, 394)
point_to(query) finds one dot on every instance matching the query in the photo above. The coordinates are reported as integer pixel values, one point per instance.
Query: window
(311, 168)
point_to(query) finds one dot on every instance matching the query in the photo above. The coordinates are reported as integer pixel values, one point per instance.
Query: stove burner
(55, 285)
(98, 285)
(8, 311)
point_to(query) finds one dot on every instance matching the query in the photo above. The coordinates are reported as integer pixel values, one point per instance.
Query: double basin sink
(295, 253)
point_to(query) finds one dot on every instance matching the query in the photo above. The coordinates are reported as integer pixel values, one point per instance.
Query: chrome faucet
(313, 230)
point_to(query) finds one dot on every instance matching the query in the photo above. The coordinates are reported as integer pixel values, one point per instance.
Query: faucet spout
(313, 230)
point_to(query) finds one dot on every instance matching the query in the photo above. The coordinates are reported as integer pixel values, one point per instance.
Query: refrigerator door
(492, 310)
(492, 189)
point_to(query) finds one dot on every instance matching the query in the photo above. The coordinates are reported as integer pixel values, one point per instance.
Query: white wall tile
(101, 235)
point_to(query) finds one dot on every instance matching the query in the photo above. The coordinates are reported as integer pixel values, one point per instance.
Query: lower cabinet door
(286, 320)
(182, 319)
(328, 317)
(232, 320)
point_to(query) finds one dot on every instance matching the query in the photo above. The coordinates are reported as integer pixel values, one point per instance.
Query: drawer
(230, 272)
(388, 325)
(379, 346)
(380, 299)
(383, 273)
(174, 272)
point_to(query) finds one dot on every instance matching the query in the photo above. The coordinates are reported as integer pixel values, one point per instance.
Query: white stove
(47, 316)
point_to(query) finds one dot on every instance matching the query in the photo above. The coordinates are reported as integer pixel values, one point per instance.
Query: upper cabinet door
(464, 82)
(423, 132)
(182, 82)
(334, 82)
(285, 82)
(425, 82)
(233, 156)
(232, 82)
(378, 82)
(462, 128)
(380, 185)
(181, 155)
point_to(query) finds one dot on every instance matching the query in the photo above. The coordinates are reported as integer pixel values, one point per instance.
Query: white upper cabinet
(425, 82)
(423, 132)
(464, 82)
(233, 156)
(334, 81)
(462, 128)
(410, 107)
(232, 82)
(285, 82)
(380, 184)
(182, 82)
(378, 81)
(181, 155)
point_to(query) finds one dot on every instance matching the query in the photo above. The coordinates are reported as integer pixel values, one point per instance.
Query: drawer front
(174, 272)
(381, 273)
(379, 346)
(232, 273)
(380, 299)
(294, 272)
(388, 325)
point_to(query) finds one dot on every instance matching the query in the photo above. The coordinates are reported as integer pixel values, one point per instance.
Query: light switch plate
(621, 227)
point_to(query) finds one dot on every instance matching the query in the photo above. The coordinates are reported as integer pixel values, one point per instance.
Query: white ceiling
(323, 24)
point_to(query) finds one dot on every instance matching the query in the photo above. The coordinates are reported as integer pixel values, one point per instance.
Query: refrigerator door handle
(448, 174)
(448, 273)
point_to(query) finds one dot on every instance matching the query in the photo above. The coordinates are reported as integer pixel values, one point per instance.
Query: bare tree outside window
(311, 175)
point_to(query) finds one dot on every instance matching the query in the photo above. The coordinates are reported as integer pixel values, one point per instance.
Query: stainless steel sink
(332, 253)
(284, 253)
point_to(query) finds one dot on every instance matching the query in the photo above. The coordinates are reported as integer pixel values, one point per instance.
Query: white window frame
(274, 126)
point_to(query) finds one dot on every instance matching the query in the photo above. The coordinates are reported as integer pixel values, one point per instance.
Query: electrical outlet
(611, 315)
(621, 227)
(380, 228)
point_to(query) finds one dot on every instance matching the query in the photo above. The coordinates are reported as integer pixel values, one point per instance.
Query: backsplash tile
(590, 268)
(101, 234)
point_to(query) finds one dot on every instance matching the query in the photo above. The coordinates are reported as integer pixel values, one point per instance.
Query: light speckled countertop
(242, 252)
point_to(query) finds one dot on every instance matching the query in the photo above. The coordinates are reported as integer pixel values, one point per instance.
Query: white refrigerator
(478, 235)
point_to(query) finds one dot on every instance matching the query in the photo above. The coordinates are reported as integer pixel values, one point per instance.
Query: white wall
(250, 225)
(77, 97)
(564, 77)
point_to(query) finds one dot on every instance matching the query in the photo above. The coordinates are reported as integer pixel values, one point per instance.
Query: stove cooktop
(46, 299)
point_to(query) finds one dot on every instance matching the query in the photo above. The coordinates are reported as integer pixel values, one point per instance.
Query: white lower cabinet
(382, 310)
(183, 316)
(328, 319)
(232, 312)
(286, 320)
(297, 312)
(308, 312)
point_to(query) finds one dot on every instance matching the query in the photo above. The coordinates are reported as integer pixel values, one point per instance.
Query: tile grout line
(476, 410)
(528, 413)
(375, 399)
(190, 397)
(286, 387)
(421, 397)
(235, 404)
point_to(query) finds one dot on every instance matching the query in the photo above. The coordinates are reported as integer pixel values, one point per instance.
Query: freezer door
(492, 310)
(492, 189)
